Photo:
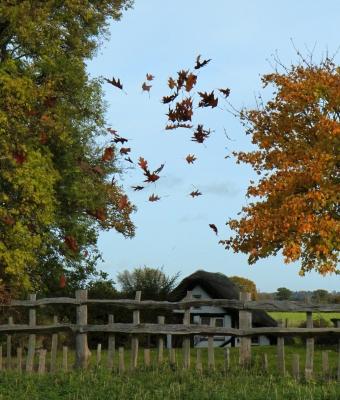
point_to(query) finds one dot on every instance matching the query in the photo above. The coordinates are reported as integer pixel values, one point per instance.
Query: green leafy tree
(246, 285)
(153, 282)
(283, 293)
(321, 296)
(56, 192)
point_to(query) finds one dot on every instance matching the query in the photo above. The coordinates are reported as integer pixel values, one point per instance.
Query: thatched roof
(218, 286)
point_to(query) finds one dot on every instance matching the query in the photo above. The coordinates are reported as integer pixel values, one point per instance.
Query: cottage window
(205, 320)
(219, 322)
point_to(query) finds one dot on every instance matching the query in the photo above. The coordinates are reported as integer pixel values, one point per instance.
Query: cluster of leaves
(298, 158)
(55, 191)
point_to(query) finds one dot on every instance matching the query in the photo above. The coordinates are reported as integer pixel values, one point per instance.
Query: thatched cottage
(205, 285)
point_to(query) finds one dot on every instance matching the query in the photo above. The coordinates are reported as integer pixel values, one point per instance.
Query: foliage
(320, 296)
(153, 282)
(246, 285)
(296, 201)
(283, 293)
(55, 188)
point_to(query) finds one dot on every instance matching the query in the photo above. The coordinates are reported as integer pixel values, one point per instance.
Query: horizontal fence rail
(168, 329)
(272, 305)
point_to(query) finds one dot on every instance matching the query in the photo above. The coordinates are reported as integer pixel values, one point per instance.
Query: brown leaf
(195, 193)
(200, 134)
(225, 92)
(200, 64)
(190, 82)
(169, 99)
(123, 202)
(8, 220)
(20, 157)
(190, 158)
(214, 228)
(176, 126)
(151, 177)
(171, 83)
(143, 163)
(149, 77)
(117, 83)
(108, 154)
(154, 197)
(208, 100)
(71, 243)
(120, 139)
(146, 87)
(137, 188)
(124, 150)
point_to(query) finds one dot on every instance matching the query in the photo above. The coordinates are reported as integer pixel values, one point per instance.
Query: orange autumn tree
(296, 199)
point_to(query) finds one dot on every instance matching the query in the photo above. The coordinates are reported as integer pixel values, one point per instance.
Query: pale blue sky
(162, 37)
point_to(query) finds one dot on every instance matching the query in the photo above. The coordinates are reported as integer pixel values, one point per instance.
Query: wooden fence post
(281, 352)
(186, 340)
(211, 354)
(111, 346)
(121, 360)
(99, 354)
(160, 320)
(147, 359)
(296, 366)
(198, 360)
(309, 349)
(19, 359)
(65, 364)
(226, 358)
(42, 361)
(172, 356)
(325, 364)
(134, 339)
(9, 347)
(31, 339)
(265, 362)
(54, 347)
(82, 350)
(245, 322)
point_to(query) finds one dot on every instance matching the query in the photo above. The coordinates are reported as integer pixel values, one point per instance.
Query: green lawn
(295, 318)
(164, 382)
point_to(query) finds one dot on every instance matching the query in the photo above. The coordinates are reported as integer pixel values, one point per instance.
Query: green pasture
(296, 318)
(162, 382)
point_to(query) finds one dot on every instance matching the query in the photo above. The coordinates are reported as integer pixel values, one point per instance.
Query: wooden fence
(81, 328)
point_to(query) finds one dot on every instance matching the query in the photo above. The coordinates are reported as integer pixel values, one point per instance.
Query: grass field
(296, 318)
(163, 382)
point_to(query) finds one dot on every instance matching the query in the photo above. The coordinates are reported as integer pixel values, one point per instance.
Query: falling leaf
(190, 82)
(200, 64)
(108, 154)
(112, 131)
(214, 228)
(120, 139)
(159, 169)
(137, 188)
(143, 163)
(200, 134)
(171, 83)
(182, 78)
(20, 157)
(225, 92)
(146, 87)
(115, 83)
(190, 158)
(128, 159)
(98, 170)
(195, 193)
(169, 99)
(124, 150)
(151, 177)
(176, 126)
(154, 197)
(149, 77)
(208, 100)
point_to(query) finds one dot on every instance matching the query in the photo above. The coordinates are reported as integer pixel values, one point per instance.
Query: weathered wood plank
(211, 353)
(19, 359)
(111, 346)
(9, 346)
(121, 364)
(265, 305)
(42, 361)
(281, 352)
(309, 350)
(160, 320)
(99, 354)
(186, 340)
(172, 329)
(82, 352)
(134, 339)
(245, 322)
(296, 366)
(65, 363)
(54, 347)
(226, 358)
(325, 364)
(199, 366)
(147, 358)
(265, 362)
(32, 321)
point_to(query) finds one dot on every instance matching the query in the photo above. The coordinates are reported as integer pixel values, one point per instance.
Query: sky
(243, 39)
